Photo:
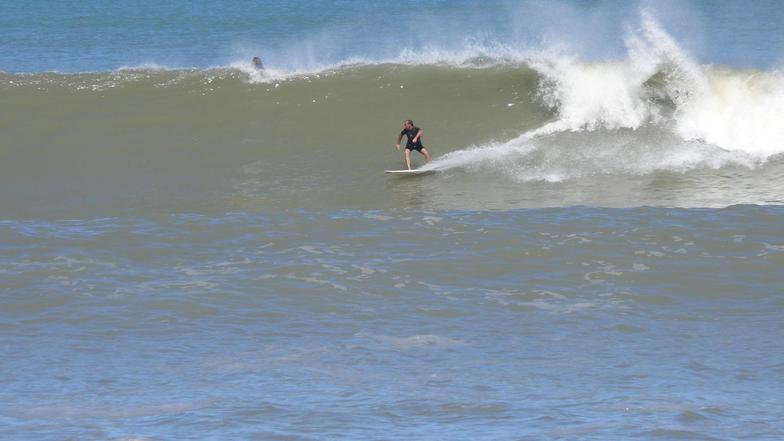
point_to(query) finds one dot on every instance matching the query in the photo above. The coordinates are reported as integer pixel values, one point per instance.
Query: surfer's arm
(418, 135)
(399, 137)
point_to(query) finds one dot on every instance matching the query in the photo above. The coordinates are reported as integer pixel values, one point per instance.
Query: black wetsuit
(411, 134)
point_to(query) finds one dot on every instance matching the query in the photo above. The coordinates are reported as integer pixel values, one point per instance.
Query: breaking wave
(490, 111)
(654, 110)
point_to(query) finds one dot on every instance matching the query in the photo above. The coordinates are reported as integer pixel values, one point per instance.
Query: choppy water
(555, 323)
(191, 249)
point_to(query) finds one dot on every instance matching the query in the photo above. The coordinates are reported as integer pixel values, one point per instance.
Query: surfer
(414, 135)
(257, 63)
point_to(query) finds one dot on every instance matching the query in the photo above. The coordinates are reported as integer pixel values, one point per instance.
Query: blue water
(573, 323)
(92, 35)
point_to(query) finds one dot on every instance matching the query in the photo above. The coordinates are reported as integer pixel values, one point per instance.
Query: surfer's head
(408, 123)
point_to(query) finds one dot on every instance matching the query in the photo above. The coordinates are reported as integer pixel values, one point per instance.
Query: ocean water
(194, 249)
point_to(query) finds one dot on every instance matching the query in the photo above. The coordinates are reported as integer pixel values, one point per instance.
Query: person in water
(257, 63)
(414, 135)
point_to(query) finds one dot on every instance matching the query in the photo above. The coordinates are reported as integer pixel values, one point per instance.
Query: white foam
(734, 110)
(144, 66)
(708, 117)
(472, 54)
(743, 112)
(470, 57)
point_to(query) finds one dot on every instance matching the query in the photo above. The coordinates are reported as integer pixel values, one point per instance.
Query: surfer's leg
(408, 159)
(427, 155)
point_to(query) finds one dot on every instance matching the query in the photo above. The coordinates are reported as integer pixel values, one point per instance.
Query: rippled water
(552, 323)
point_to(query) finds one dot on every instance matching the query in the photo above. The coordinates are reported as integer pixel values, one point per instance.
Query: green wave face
(220, 140)
(200, 140)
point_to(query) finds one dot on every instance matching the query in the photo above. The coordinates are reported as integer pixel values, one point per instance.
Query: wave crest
(656, 110)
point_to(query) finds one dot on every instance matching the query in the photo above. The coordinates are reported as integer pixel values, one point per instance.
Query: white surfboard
(414, 172)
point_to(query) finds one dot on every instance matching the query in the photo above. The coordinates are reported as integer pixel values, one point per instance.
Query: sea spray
(695, 116)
